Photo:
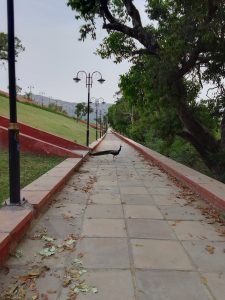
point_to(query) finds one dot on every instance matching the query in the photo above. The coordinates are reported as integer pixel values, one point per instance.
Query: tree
(4, 46)
(177, 52)
(81, 110)
(18, 90)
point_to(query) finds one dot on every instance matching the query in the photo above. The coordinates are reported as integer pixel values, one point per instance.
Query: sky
(53, 55)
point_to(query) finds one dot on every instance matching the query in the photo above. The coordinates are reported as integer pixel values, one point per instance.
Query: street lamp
(89, 82)
(101, 123)
(42, 98)
(97, 103)
(13, 130)
(30, 87)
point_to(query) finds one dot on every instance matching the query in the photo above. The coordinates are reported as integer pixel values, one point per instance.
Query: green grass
(31, 167)
(48, 121)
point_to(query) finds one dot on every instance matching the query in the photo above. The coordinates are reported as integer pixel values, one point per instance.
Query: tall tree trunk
(194, 132)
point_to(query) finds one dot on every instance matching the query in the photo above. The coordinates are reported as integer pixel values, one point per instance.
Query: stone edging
(15, 220)
(208, 188)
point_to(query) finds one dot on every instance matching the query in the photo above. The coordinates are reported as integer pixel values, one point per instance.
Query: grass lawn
(32, 166)
(48, 121)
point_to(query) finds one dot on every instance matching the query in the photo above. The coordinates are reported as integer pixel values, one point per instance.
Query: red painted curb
(44, 136)
(201, 188)
(9, 240)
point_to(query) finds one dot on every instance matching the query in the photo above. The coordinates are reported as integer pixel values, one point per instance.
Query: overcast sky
(53, 55)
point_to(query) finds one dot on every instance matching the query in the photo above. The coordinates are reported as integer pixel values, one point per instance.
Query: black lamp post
(30, 87)
(96, 121)
(89, 82)
(42, 98)
(13, 130)
(97, 103)
(101, 123)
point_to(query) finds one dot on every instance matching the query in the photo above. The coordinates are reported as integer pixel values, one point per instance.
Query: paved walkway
(120, 230)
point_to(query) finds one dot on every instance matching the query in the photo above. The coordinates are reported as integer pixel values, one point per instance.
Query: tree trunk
(205, 143)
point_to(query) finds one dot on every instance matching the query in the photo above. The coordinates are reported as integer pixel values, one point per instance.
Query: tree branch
(188, 137)
(222, 142)
(133, 13)
(138, 33)
(194, 56)
(212, 8)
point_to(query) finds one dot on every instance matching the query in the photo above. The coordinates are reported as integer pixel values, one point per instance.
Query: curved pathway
(120, 230)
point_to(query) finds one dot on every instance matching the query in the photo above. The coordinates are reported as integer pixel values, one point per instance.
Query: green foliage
(116, 45)
(81, 110)
(32, 167)
(49, 121)
(4, 46)
(178, 50)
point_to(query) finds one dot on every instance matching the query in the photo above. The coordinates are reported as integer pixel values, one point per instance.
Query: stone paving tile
(67, 211)
(162, 191)
(177, 212)
(142, 212)
(137, 199)
(51, 285)
(103, 211)
(104, 228)
(168, 200)
(29, 255)
(106, 183)
(45, 285)
(126, 183)
(58, 226)
(105, 198)
(207, 256)
(215, 281)
(152, 229)
(170, 285)
(159, 254)
(129, 190)
(72, 197)
(195, 230)
(115, 284)
(104, 253)
(152, 182)
(105, 189)
(131, 229)
(112, 177)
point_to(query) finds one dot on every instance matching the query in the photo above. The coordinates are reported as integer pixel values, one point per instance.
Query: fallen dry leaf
(210, 249)
(51, 291)
(204, 280)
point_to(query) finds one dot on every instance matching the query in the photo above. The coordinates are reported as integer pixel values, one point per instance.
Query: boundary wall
(212, 190)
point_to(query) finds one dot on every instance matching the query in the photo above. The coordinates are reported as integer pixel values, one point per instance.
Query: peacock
(113, 152)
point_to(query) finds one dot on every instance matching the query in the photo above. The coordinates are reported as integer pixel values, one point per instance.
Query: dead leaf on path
(204, 280)
(47, 238)
(44, 297)
(60, 205)
(67, 216)
(18, 253)
(51, 291)
(34, 273)
(210, 249)
(175, 222)
(45, 252)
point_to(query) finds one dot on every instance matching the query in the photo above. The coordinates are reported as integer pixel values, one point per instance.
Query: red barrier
(32, 145)
(44, 136)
